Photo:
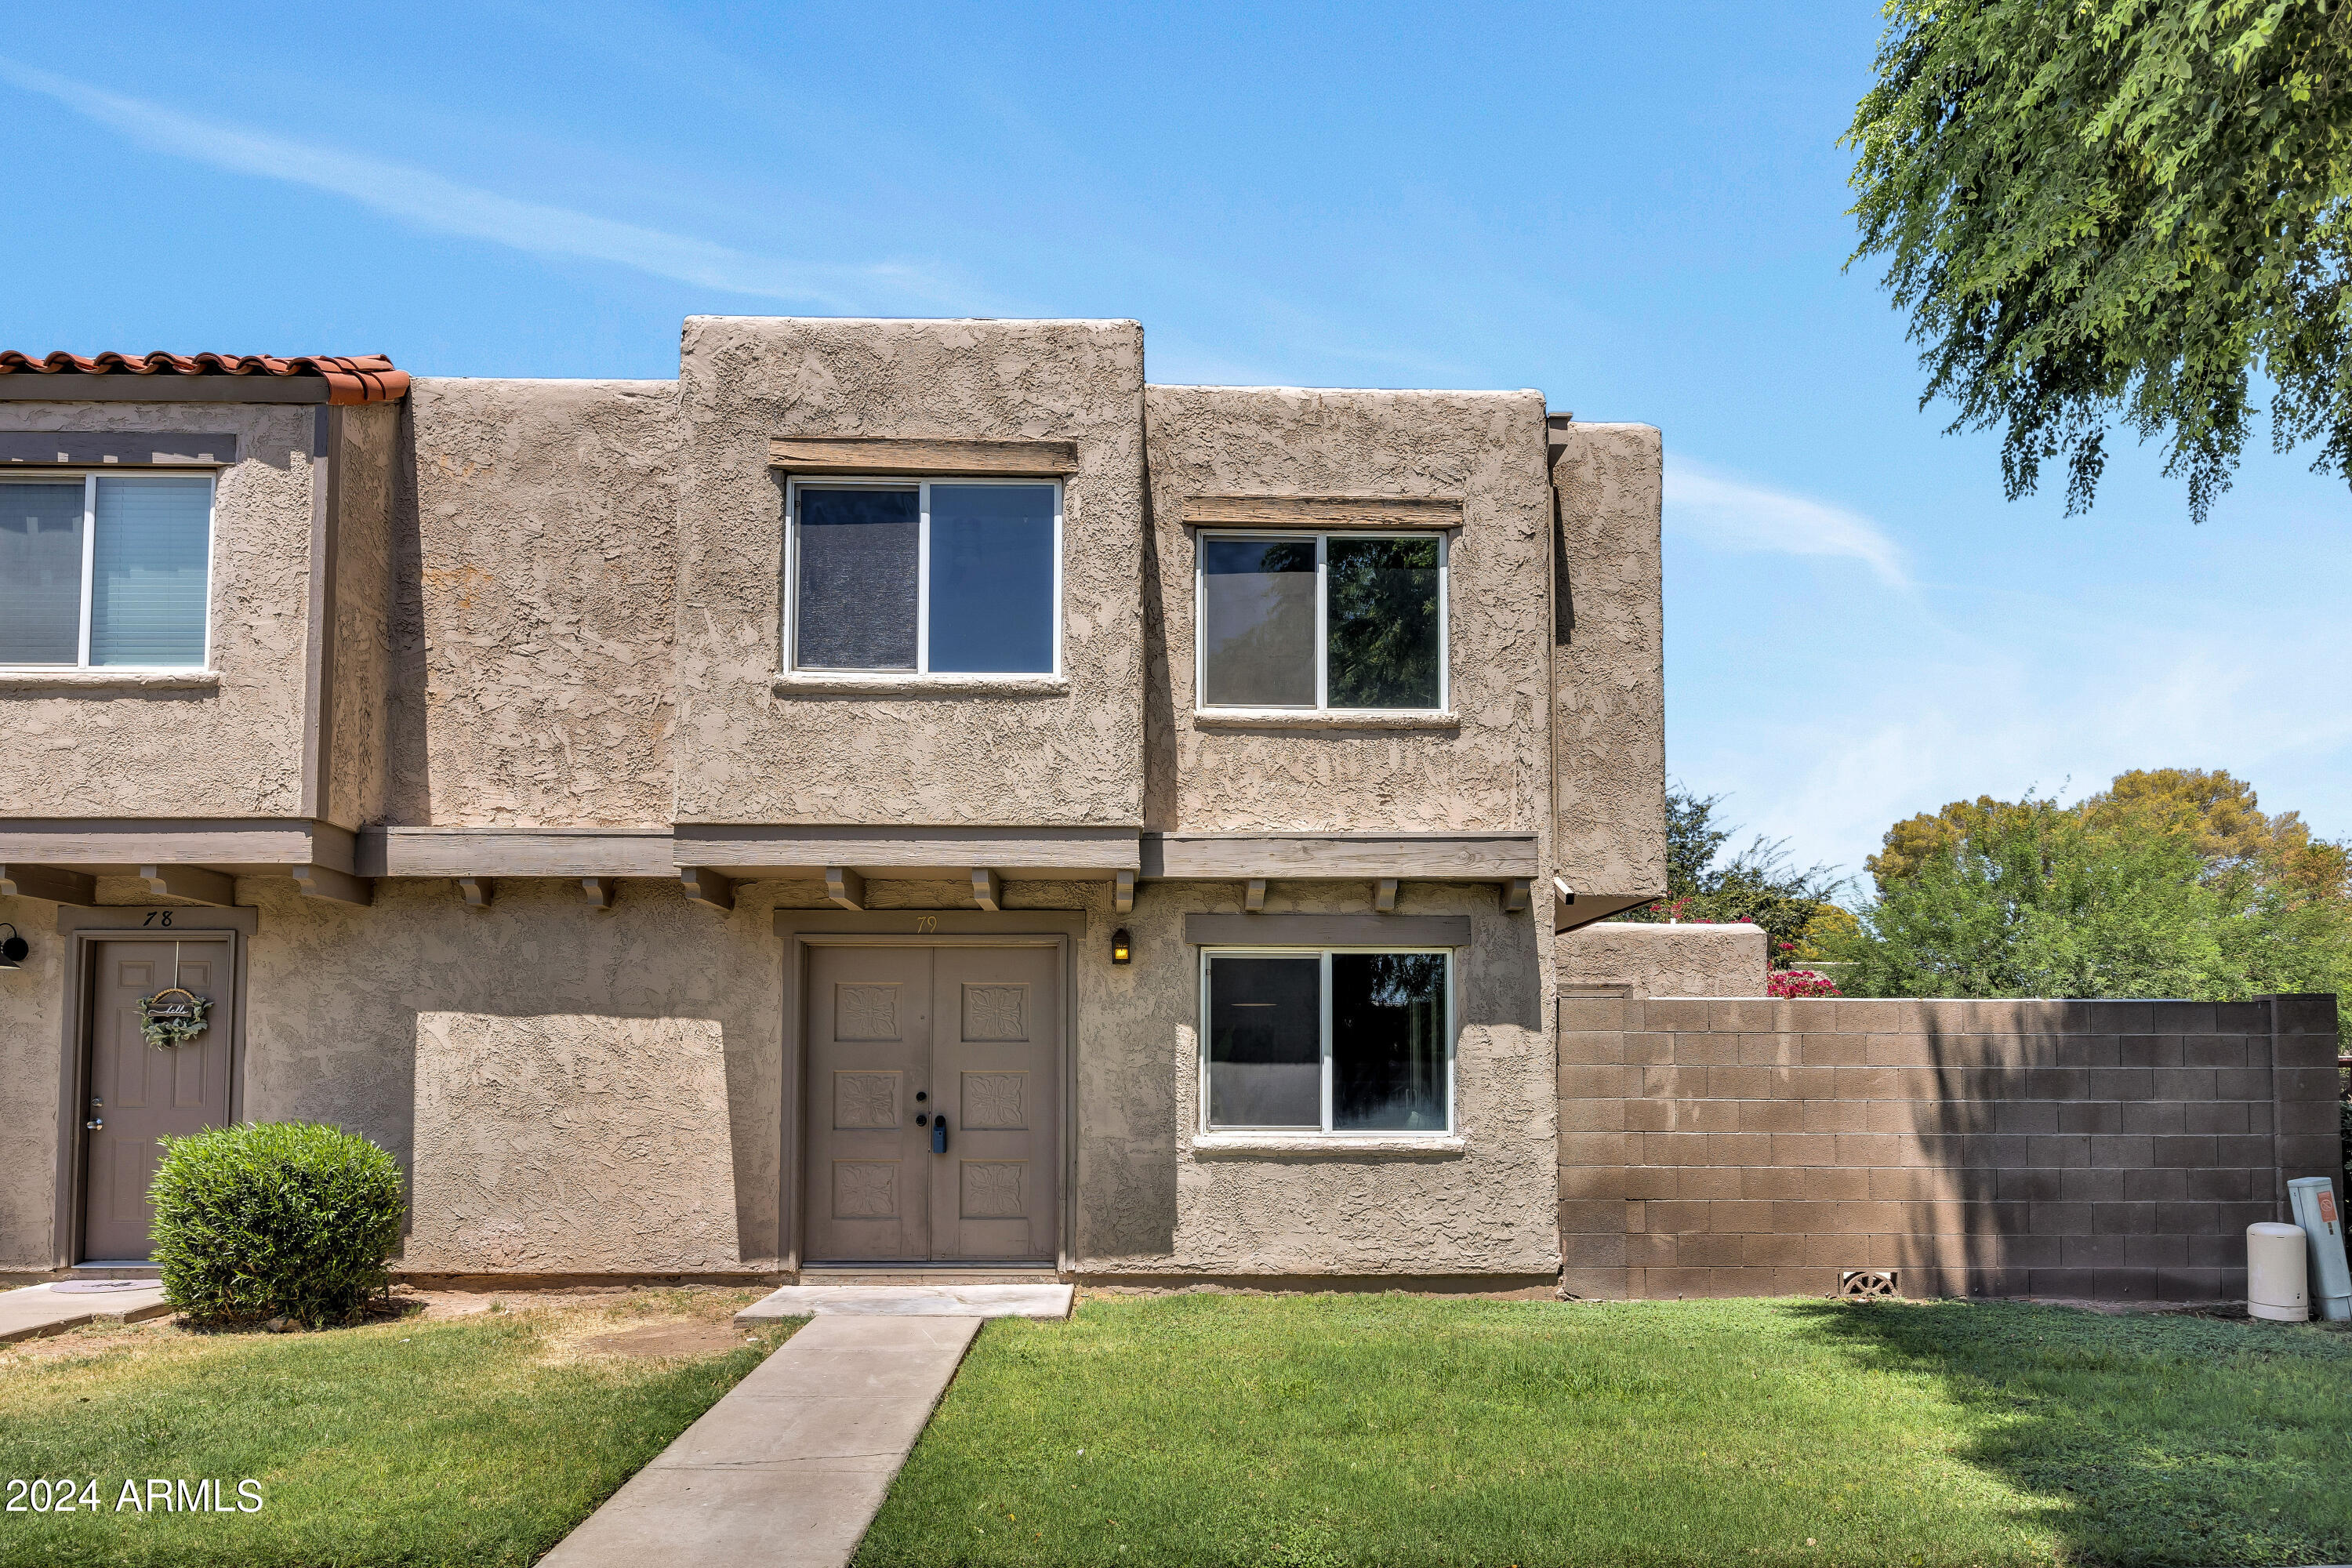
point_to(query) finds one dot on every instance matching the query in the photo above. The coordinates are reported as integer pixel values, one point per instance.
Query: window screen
(992, 579)
(1257, 621)
(858, 579)
(1265, 1042)
(40, 574)
(147, 572)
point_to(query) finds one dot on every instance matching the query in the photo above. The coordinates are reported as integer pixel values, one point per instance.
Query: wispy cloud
(1734, 514)
(430, 201)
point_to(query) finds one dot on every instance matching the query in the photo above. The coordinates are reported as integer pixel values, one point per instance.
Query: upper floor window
(105, 570)
(1325, 621)
(1339, 1040)
(929, 577)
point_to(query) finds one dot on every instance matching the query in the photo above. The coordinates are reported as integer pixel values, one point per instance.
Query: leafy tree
(2119, 208)
(1756, 884)
(2100, 899)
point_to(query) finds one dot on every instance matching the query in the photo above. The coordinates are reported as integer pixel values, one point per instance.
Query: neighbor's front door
(139, 1093)
(900, 1038)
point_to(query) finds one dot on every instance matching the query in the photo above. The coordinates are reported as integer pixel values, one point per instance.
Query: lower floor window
(1341, 1040)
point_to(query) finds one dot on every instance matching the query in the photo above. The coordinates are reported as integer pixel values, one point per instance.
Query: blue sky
(1639, 209)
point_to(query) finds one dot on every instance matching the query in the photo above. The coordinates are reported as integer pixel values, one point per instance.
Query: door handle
(940, 1134)
(94, 1124)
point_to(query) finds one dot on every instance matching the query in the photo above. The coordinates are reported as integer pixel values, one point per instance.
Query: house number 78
(157, 918)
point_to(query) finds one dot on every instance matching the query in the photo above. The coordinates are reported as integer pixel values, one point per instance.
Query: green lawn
(1395, 1430)
(476, 1441)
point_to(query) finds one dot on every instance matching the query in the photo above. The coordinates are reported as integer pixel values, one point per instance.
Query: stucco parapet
(109, 680)
(1214, 1145)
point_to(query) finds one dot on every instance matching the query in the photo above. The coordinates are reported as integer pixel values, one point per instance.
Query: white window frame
(1322, 538)
(1323, 984)
(791, 664)
(89, 478)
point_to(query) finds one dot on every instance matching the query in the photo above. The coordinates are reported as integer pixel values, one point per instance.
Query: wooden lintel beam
(336, 886)
(476, 891)
(705, 887)
(844, 887)
(599, 891)
(53, 883)
(198, 883)
(987, 889)
(1122, 892)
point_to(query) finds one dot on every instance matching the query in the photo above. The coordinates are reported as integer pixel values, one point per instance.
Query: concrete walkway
(789, 1467)
(913, 1302)
(38, 1310)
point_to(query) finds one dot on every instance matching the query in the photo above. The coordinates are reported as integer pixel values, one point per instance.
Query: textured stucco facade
(510, 652)
(118, 747)
(1484, 765)
(1635, 958)
(748, 752)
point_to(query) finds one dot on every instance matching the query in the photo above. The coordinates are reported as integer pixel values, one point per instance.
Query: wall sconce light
(13, 948)
(1120, 951)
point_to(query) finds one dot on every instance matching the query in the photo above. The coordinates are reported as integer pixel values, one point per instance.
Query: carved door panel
(996, 1056)
(870, 1052)
(896, 1034)
(140, 1093)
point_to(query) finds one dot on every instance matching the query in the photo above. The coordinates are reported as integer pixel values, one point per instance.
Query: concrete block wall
(2105, 1149)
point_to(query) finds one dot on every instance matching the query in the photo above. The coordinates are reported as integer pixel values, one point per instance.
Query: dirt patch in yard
(684, 1339)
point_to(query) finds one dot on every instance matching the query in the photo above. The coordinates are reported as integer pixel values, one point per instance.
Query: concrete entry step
(788, 1469)
(865, 1275)
(103, 1270)
(38, 1310)
(1039, 1300)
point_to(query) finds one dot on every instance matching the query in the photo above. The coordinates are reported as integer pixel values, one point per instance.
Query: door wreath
(173, 1016)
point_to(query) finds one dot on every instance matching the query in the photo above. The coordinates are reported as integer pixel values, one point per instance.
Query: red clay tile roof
(351, 378)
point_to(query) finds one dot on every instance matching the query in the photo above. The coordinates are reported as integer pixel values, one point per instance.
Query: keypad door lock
(940, 1134)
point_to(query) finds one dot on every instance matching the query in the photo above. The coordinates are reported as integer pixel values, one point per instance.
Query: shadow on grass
(2147, 1438)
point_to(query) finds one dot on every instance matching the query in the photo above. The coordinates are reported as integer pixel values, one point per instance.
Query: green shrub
(275, 1219)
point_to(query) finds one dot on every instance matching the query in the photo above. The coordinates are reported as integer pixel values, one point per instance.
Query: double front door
(138, 1092)
(934, 1101)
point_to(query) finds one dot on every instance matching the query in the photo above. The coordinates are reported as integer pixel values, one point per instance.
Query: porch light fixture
(13, 948)
(1119, 949)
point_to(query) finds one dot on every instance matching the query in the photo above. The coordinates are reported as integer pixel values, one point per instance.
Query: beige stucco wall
(108, 752)
(32, 1008)
(1485, 448)
(1691, 959)
(745, 754)
(1148, 1204)
(357, 742)
(536, 550)
(1609, 661)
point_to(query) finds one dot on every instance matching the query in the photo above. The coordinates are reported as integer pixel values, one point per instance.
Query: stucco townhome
(902, 793)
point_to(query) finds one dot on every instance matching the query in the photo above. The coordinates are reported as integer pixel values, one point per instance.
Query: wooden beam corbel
(192, 882)
(600, 891)
(476, 891)
(987, 889)
(336, 886)
(1122, 893)
(1253, 896)
(53, 883)
(707, 887)
(844, 887)
(1384, 895)
(1518, 894)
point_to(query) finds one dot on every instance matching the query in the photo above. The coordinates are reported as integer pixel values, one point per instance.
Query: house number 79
(926, 923)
